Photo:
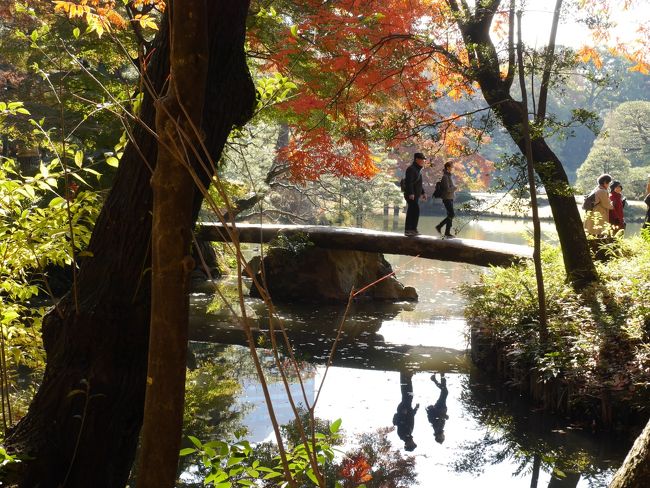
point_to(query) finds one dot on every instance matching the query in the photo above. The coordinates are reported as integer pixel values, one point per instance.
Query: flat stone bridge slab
(470, 251)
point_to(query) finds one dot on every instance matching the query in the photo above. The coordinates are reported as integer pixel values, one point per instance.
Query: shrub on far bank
(598, 347)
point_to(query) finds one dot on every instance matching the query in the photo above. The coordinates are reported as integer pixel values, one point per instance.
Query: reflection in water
(404, 418)
(437, 413)
(311, 331)
(492, 436)
(533, 442)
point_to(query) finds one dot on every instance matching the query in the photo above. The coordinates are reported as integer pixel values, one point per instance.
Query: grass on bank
(599, 339)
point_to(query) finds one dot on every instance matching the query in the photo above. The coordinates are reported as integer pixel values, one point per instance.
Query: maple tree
(373, 71)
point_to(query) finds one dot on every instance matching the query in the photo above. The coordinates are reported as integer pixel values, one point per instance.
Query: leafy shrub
(598, 339)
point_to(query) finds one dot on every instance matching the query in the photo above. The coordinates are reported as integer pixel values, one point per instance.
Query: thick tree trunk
(635, 470)
(575, 249)
(83, 424)
(178, 117)
(485, 69)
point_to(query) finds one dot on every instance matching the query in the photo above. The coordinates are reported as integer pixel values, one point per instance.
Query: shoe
(439, 229)
(410, 233)
(450, 236)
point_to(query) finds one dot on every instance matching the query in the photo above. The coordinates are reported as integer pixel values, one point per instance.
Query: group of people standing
(608, 207)
(414, 192)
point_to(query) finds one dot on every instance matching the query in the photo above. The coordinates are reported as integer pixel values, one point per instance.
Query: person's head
(449, 165)
(439, 437)
(409, 445)
(604, 180)
(615, 186)
(419, 158)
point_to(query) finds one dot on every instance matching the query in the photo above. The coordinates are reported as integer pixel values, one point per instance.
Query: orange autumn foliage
(369, 72)
(355, 470)
(315, 153)
(104, 15)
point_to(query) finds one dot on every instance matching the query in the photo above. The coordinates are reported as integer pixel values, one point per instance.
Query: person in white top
(596, 219)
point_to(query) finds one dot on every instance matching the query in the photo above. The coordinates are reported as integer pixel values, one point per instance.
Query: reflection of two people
(437, 413)
(405, 415)
(404, 418)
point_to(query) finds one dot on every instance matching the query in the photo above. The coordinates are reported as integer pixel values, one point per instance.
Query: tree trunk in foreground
(635, 471)
(178, 117)
(83, 424)
(485, 70)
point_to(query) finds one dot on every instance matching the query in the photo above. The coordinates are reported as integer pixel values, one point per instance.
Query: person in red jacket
(616, 215)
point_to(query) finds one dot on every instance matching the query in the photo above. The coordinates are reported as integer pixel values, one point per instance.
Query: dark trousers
(449, 207)
(412, 214)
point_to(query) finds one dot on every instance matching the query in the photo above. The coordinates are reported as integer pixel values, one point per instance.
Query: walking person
(646, 200)
(448, 193)
(616, 214)
(437, 413)
(598, 216)
(404, 418)
(413, 191)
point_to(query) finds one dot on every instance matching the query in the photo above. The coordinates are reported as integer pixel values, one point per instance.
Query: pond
(490, 437)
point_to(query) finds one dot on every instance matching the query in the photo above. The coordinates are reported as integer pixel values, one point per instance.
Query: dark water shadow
(312, 329)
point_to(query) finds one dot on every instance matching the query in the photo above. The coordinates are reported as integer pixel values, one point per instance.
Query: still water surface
(490, 439)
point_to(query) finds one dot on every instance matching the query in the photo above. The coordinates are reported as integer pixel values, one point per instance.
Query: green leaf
(294, 30)
(312, 476)
(234, 460)
(336, 425)
(78, 158)
(187, 451)
(112, 161)
(76, 32)
(195, 441)
(273, 474)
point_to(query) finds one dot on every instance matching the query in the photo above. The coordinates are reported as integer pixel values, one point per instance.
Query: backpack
(590, 202)
(437, 191)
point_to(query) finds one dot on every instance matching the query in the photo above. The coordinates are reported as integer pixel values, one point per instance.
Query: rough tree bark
(83, 424)
(178, 118)
(635, 471)
(485, 70)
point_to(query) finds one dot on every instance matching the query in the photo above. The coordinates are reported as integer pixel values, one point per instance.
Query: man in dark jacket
(448, 194)
(412, 193)
(404, 418)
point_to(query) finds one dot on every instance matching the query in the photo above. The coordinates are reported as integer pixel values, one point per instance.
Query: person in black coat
(404, 418)
(413, 191)
(437, 413)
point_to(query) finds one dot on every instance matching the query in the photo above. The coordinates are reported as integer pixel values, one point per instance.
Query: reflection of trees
(210, 391)
(532, 441)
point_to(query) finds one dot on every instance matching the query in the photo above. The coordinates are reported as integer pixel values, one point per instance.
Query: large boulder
(322, 275)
